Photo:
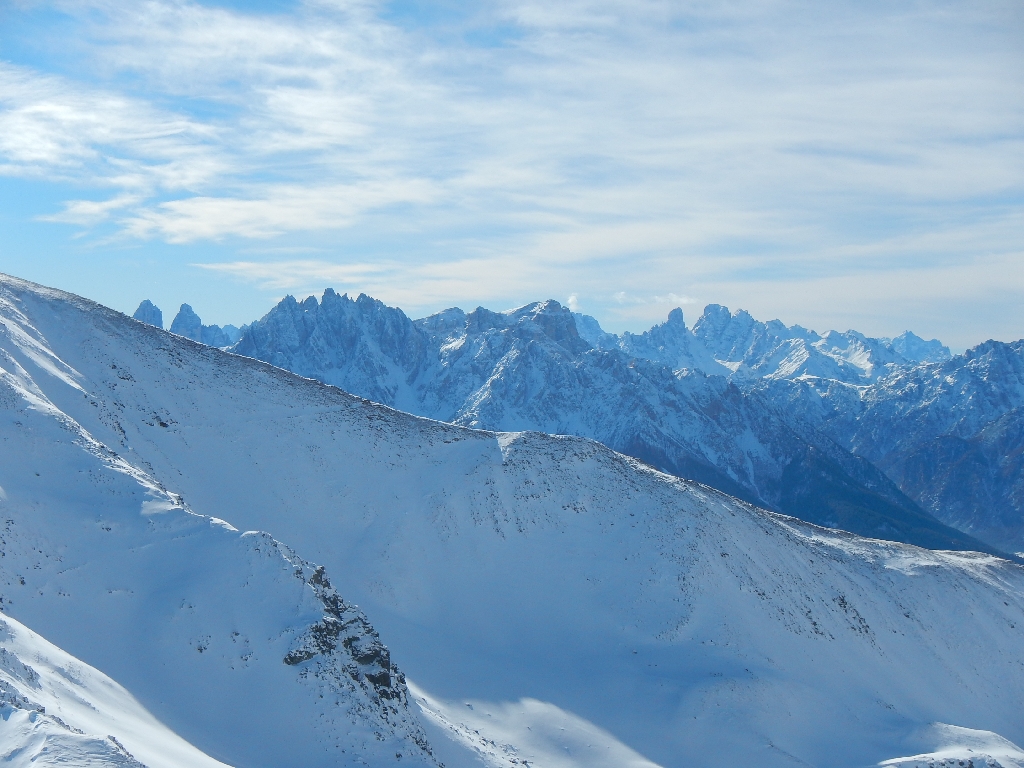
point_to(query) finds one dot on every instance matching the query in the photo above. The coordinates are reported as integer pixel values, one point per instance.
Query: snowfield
(57, 710)
(526, 583)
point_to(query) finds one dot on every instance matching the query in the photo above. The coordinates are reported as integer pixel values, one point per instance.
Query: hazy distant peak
(150, 313)
(590, 330)
(914, 348)
(187, 323)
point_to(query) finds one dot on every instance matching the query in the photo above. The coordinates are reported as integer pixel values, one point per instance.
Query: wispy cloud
(298, 274)
(282, 208)
(586, 147)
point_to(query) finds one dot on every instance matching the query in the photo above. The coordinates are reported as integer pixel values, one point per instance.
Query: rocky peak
(914, 348)
(443, 324)
(150, 313)
(482, 319)
(556, 323)
(713, 321)
(187, 323)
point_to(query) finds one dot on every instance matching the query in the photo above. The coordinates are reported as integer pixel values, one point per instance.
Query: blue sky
(849, 164)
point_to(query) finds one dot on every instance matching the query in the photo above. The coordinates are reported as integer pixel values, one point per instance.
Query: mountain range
(650, 396)
(553, 603)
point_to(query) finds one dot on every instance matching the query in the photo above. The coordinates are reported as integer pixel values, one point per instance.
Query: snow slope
(57, 710)
(545, 579)
(228, 638)
(952, 747)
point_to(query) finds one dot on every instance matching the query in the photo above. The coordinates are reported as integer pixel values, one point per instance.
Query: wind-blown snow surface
(58, 711)
(679, 624)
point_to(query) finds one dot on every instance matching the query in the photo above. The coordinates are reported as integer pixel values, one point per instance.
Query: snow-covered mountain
(228, 638)
(945, 429)
(738, 346)
(950, 433)
(526, 583)
(530, 369)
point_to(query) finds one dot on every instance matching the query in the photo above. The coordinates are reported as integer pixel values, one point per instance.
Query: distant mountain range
(892, 438)
(187, 323)
(737, 346)
(542, 368)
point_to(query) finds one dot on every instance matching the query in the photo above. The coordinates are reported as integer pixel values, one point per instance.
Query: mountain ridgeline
(685, 402)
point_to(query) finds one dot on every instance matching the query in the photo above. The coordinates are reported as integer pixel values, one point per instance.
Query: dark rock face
(530, 369)
(345, 630)
(148, 312)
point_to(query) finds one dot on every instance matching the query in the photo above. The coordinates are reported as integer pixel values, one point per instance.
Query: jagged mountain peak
(552, 320)
(188, 324)
(149, 313)
(443, 324)
(913, 347)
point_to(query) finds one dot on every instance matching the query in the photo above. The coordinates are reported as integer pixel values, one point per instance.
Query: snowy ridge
(686, 625)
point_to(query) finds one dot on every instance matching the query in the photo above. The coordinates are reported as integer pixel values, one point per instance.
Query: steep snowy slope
(546, 580)
(232, 641)
(58, 711)
(529, 369)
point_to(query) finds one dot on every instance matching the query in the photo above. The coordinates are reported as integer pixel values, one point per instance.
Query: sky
(837, 165)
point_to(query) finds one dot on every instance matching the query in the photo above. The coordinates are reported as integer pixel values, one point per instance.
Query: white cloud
(297, 274)
(280, 209)
(87, 213)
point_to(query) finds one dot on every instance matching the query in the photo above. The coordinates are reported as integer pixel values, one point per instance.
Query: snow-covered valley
(547, 597)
